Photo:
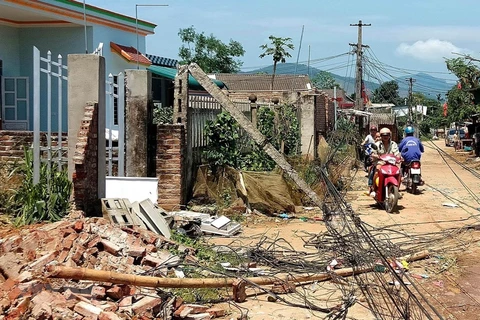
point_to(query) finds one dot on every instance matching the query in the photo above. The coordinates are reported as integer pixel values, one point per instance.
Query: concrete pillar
(180, 103)
(307, 126)
(137, 121)
(181, 115)
(86, 83)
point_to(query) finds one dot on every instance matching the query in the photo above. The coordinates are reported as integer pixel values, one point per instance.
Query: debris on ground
(93, 243)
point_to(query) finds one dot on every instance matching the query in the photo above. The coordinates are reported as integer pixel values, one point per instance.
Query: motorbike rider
(384, 146)
(411, 148)
(369, 139)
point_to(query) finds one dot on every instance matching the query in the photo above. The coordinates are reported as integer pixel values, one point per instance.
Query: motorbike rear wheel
(391, 199)
(414, 188)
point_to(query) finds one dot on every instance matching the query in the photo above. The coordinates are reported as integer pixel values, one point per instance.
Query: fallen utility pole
(156, 282)
(256, 135)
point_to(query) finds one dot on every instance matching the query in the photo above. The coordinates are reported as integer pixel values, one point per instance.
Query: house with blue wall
(61, 27)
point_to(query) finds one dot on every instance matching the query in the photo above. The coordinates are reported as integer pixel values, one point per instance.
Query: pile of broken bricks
(27, 292)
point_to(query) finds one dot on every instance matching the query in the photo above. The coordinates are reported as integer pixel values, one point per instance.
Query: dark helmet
(409, 130)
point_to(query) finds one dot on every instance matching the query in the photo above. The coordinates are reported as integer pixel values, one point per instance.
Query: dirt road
(446, 203)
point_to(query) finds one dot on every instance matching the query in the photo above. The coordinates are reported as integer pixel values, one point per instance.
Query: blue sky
(404, 37)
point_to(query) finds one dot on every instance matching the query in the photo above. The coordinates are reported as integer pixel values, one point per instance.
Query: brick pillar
(170, 166)
(86, 171)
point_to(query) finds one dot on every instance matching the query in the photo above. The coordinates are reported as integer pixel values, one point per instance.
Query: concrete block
(87, 310)
(146, 304)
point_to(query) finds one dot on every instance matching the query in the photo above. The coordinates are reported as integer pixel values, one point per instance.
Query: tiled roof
(130, 53)
(262, 82)
(161, 61)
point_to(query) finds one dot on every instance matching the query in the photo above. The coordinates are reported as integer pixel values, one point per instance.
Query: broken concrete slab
(222, 225)
(153, 218)
(117, 210)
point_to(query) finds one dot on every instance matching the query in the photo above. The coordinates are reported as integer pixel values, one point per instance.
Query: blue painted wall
(16, 51)
(9, 51)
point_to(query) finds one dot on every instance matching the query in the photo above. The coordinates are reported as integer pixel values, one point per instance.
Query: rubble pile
(26, 291)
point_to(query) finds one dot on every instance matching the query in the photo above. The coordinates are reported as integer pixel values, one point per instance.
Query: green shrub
(162, 115)
(47, 200)
(222, 136)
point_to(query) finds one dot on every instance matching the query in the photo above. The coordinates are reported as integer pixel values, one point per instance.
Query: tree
(387, 93)
(324, 80)
(463, 100)
(278, 51)
(211, 54)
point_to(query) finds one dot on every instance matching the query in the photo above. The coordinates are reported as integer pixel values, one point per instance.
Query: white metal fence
(115, 133)
(50, 94)
(55, 71)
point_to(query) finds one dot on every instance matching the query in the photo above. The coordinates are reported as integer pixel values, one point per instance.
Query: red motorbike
(386, 182)
(413, 175)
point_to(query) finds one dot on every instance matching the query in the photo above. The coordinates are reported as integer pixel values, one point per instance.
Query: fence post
(60, 114)
(109, 104)
(36, 115)
(253, 109)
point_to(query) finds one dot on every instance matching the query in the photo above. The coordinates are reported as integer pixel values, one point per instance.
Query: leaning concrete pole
(256, 135)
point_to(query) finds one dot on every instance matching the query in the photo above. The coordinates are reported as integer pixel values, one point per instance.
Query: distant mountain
(424, 83)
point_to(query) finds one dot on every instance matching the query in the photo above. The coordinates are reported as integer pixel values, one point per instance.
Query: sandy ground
(453, 270)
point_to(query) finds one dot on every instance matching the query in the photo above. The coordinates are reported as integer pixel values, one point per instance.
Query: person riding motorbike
(369, 139)
(411, 148)
(384, 146)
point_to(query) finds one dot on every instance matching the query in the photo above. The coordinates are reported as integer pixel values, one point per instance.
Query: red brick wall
(321, 114)
(12, 144)
(85, 175)
(170, 167)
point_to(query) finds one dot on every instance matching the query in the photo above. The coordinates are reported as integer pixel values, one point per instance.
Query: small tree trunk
(273, 75)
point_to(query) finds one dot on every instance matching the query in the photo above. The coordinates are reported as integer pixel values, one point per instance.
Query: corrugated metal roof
(262, 82)
(162, 61)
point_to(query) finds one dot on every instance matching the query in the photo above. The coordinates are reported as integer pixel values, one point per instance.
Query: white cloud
(432, 50)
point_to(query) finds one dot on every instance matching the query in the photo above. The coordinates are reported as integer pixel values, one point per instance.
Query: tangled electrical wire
(372, 253)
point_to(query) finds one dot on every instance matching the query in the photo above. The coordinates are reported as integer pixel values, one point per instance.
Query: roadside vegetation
(27, 203)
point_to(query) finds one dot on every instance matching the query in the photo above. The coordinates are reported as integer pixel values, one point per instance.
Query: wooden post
(156, 282)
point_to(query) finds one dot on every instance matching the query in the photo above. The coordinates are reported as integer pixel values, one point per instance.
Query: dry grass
(8, 183)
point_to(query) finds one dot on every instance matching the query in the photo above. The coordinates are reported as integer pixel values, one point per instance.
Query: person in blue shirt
(410, 147)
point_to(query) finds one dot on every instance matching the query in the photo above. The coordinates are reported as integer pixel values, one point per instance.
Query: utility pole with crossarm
(359, 66)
